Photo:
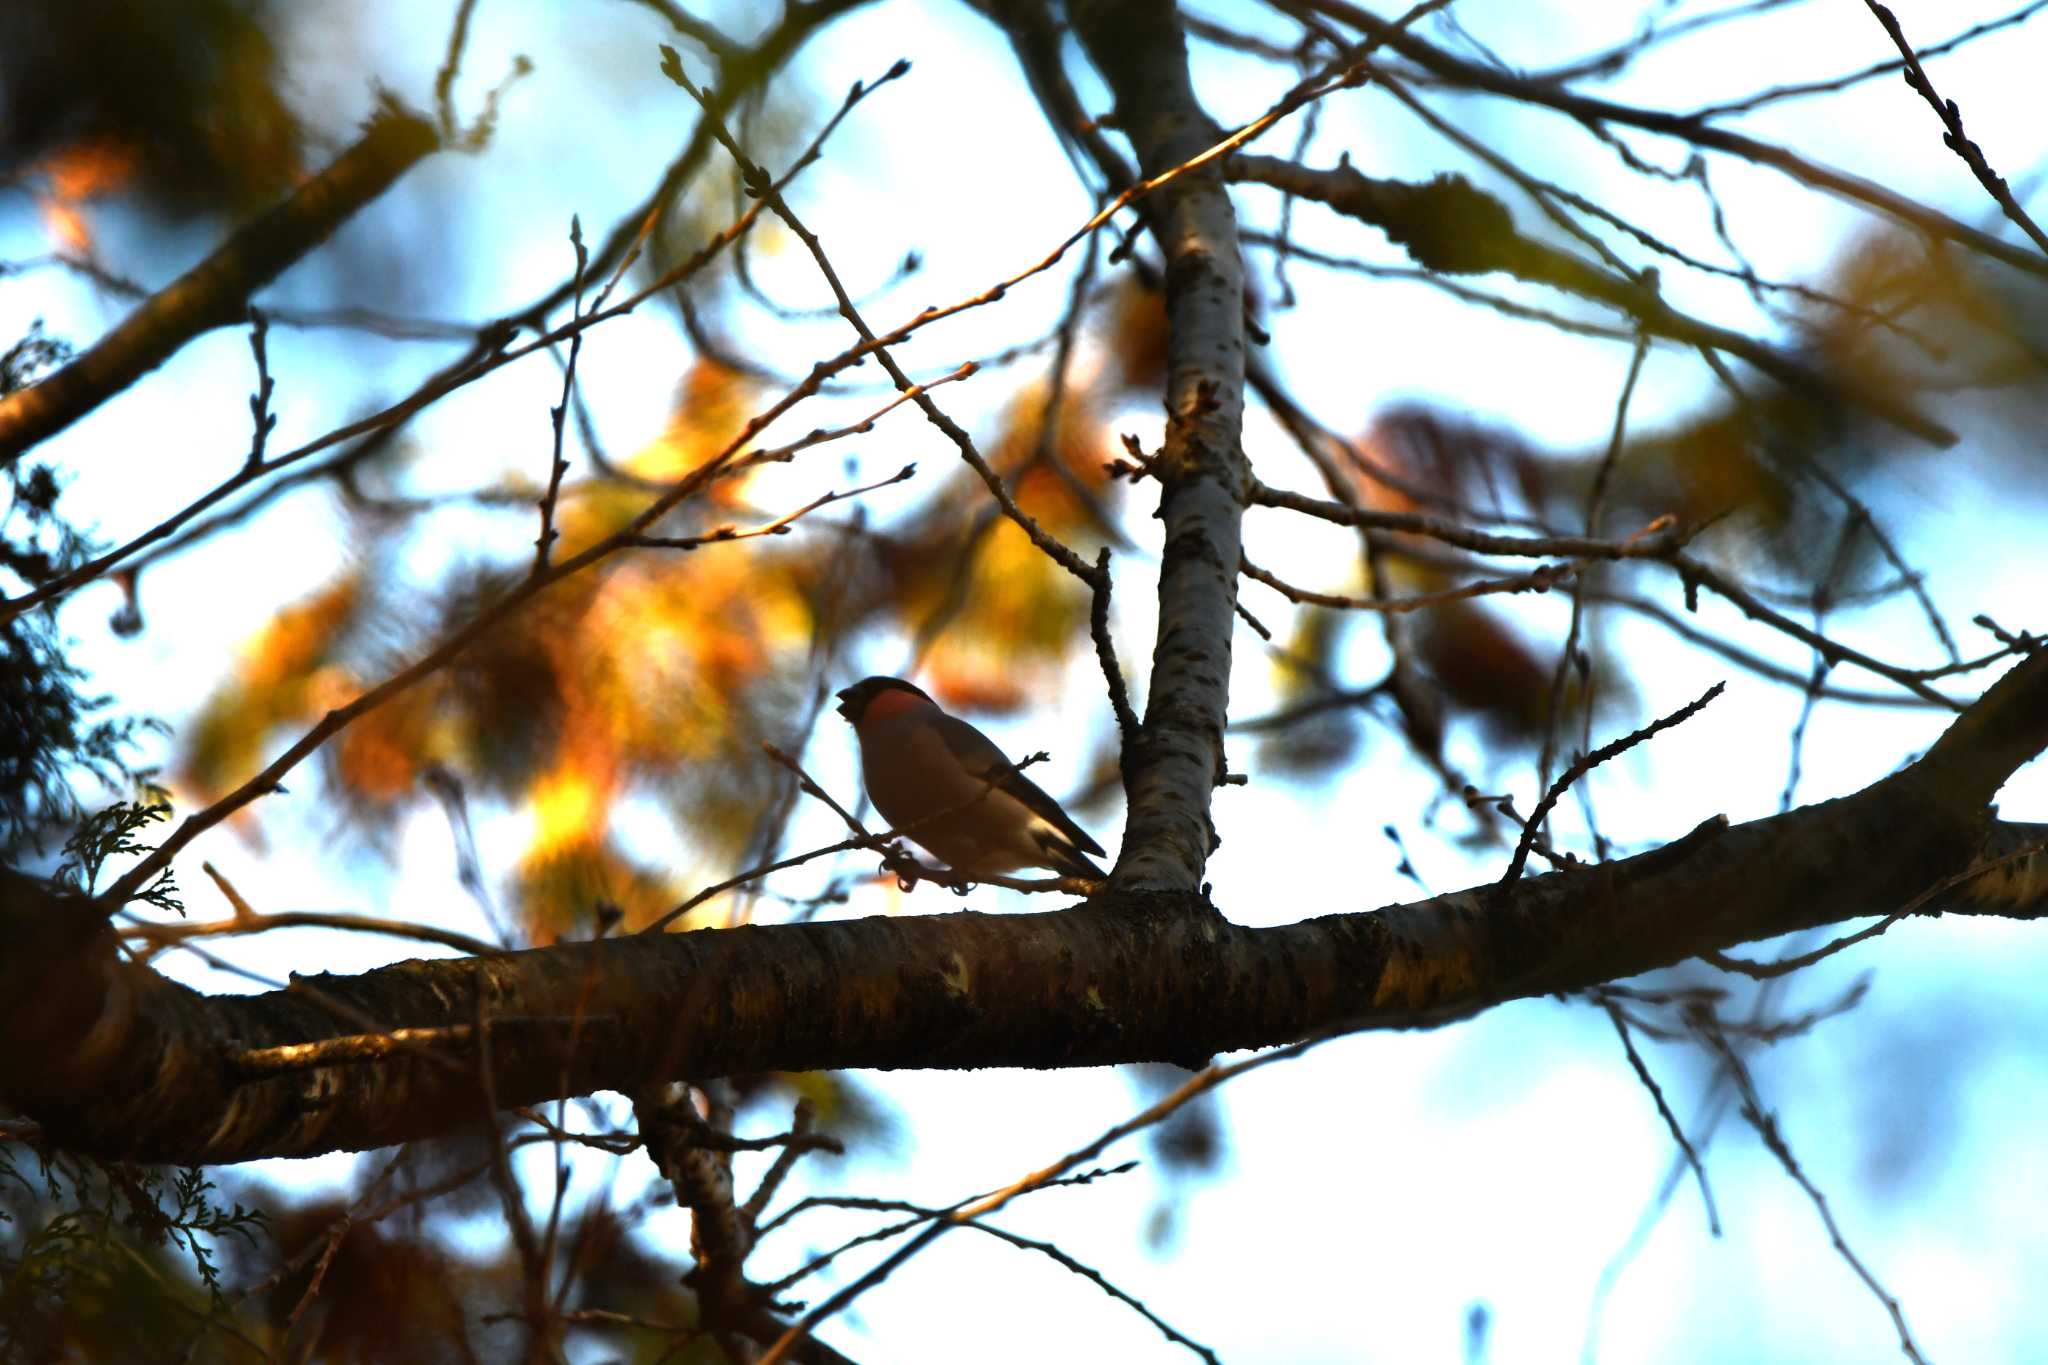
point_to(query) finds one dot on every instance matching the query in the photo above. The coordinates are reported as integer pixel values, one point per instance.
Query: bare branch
(84, 1052)
(557, 466)
(215, 293)
(1671, 1123)
(1955, 138)
(170, 935)
(492, 350)
(1540, 579)
(1686, 127)
(1448, 224)
(779, 526)
(1763, 971)
(1660, 540)
(1766, 1125)
(1884, 68)
(1585, 763)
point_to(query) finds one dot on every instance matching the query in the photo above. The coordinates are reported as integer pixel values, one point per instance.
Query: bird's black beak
(845, 707)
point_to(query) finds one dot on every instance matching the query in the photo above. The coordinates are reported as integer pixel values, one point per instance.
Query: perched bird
(949, 788)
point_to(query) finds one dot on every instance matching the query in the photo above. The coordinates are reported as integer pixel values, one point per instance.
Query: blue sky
(1377, 1189)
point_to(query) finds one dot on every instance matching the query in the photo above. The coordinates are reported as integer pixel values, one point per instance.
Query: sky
(1378, 1189)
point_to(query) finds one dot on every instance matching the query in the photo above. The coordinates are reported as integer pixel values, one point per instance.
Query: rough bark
(1178, 759)
(113, 1059)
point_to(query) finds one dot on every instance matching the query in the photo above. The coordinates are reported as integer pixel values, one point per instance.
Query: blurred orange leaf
(282, 676)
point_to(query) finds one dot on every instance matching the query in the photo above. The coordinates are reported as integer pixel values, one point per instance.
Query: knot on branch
(1448, 224)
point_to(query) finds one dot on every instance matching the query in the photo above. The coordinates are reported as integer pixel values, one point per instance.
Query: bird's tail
(1069, 861)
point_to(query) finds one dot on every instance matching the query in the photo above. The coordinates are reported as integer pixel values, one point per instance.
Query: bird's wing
(979, 755)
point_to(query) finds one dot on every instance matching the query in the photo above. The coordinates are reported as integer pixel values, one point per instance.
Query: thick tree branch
(111, 1058)
(215, 293)
(1178, 759)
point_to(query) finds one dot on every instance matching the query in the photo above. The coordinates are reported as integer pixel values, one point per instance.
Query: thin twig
(1128, 729)
(1766, 1126)
(263, 420)
(1884, 68)
(1506, 307)
(1593, 113)
(170, 935)
(451, 65)
(779, 526)
(1859, 513)
(491, 352)
(1660, 540)
(1955, 138)
(1763, 971)
(1695, 574)
(557, 415)
(1585, 764)
(759, 185)
(1540, 579)
(1569, 656)
(1677, 1129)
(1195, 1086)
(533, 1270)
(794, 1144)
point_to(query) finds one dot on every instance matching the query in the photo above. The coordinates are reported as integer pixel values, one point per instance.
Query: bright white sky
(1379, 1188)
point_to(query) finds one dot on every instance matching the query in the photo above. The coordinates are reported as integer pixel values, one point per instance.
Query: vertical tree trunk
(1140, 50)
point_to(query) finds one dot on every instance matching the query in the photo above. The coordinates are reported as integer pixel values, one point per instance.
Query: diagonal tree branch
(1448, 225)
(1952, 121)
(1686, 127)
(215, 293)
